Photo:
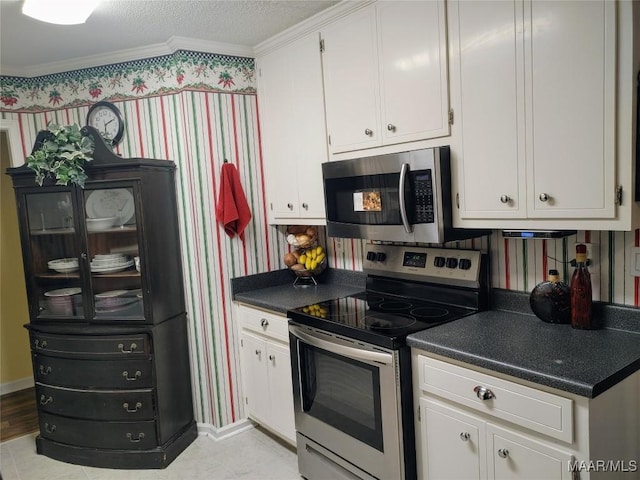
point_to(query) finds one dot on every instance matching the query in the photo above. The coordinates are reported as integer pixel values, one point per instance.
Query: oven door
(346, 398)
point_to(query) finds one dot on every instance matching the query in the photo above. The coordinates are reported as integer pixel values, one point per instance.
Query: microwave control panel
(423, 197)
(439, 265)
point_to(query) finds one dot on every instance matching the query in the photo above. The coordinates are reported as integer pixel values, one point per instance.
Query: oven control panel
(425, 264)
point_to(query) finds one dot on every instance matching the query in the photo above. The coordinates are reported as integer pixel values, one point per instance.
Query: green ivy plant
(62, 156)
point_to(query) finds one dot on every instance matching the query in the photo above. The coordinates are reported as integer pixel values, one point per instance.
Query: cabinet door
(281, 392)
(350, 69)
(571, 113)
(254, 376)
(452, 443)
(486, 69)
(413, 70)
(513, 456)
(292, 114)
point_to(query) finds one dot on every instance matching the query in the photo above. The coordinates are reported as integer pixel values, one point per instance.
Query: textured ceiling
(118, 25)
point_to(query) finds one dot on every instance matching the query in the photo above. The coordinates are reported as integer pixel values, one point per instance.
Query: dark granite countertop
(584, 362)
(275, 290)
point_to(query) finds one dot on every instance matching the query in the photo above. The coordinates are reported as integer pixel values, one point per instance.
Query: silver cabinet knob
(483, 393)
(290, 206)
(264, 322)
(272, 357)
(391, 127)
(503, 453)
(465, 436)
(505, 198)
(305, 206)
(257, 352)
(368, 132)
(544, 197)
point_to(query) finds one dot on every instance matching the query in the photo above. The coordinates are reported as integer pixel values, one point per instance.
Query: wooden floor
(18, 414)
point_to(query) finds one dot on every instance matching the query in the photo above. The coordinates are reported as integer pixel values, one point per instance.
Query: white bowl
(96, 224)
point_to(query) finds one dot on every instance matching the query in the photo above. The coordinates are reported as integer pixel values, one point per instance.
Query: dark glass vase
(551, 300)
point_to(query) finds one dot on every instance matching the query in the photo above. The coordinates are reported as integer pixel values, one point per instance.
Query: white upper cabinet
(535, 82)
(293, 131)
(385, 75)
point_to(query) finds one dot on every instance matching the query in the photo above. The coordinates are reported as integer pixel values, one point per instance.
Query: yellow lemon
(303, 259)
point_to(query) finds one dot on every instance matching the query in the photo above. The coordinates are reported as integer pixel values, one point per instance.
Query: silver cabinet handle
(44, 370)
(257, 352)
(272, 357)
(41, 345)
(403, 207)
(505, 198)
(45, 400)
(49, 428)
(368, 132)
(391, 127)
(290, 206)
(135, 440)
(264, 322)
(465, 436)
(130, 350)
(132, 410)
(484, 393)
(544, 197)
(305, 206)
(135, 377)
(503, 453)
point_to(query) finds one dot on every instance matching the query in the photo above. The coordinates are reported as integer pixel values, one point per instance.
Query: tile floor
(249, 455)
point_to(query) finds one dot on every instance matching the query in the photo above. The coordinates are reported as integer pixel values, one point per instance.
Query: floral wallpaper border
(167, 74)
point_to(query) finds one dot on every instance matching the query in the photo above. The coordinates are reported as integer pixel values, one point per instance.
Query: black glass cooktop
(379, 319)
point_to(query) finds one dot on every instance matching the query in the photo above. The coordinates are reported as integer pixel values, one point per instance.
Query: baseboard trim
(16, 385)
(227, 431)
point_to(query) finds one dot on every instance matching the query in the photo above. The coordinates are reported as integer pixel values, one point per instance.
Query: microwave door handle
(350, 352)
(403, 205)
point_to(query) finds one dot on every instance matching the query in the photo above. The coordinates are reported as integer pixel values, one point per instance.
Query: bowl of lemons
(306, 262)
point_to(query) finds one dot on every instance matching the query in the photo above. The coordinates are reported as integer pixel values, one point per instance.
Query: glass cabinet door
(54, 267)
(113, 253)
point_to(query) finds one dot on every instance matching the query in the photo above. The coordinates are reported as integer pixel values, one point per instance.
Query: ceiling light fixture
(60, 12)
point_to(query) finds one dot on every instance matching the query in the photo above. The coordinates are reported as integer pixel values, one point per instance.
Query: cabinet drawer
(100, 434)
(68, 372)
(123, 405)
(540, 411)
(103, 346)
(265, 323)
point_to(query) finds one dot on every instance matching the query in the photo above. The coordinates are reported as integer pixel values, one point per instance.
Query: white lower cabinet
(266, 371)
(471, 424)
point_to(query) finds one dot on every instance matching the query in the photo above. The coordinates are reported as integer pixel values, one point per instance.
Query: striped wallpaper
(198, 122)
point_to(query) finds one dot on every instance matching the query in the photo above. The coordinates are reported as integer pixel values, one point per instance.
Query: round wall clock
(107, 119)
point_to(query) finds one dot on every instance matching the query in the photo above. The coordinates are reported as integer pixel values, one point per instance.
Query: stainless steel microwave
(399, 197)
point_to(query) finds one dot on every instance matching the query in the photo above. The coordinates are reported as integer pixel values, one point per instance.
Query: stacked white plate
(109, 263)
(60, 302)
(115, 300)
(64, 265)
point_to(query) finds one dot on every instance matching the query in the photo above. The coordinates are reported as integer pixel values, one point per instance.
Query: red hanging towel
(232, 209)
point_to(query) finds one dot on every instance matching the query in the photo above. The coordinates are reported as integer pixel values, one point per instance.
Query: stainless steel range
(351, 365)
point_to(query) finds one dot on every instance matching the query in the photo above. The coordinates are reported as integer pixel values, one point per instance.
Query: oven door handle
(403, 205)
(350, 352)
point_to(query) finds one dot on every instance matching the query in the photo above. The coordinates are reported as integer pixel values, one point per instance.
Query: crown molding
(158, 49)
(310, 25)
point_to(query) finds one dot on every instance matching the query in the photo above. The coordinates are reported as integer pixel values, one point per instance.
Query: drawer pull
(503, 452)
(272, 358)
(44, 371)
(41, 345)
(136, 375)
(135, 440)
(465, 436)
(132, 410)
(264, 323)
(45, 400)
(131, 348)
(258, 352)
(484, 393)
(49, 428)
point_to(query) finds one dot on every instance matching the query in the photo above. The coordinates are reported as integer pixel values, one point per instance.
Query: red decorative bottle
(580, 288)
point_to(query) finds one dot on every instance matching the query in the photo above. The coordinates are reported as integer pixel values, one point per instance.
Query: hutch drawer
(118, 405)
(101, 346)
(69, 372)
(99, 434)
